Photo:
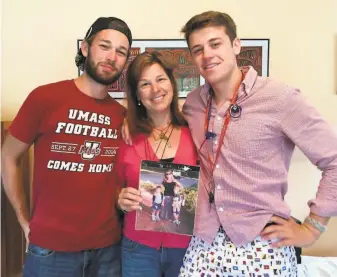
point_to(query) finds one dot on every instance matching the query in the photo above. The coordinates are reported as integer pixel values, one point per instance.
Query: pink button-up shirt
(250, 176)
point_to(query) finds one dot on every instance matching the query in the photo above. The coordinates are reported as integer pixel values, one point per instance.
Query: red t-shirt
(76, 139)
(128, 169)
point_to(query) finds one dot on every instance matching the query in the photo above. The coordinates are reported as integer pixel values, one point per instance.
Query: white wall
(39, 45)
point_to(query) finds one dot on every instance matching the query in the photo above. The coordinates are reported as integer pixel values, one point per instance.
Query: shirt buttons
(217, 166)
(216, 142)
(221, 209)
(218, 187)
(219, 117)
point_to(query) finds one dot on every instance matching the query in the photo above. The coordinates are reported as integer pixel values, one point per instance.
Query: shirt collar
(245, 87)
(249, 81)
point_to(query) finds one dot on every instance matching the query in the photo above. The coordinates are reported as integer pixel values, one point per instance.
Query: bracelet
(316, 224)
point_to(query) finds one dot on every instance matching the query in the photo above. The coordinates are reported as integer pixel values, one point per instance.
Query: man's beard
(92, 70)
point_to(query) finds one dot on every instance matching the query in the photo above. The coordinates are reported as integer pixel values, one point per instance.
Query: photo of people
(169, 193)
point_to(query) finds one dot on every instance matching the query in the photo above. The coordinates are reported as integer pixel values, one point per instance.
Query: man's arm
(12, 151)
(23, 131)
(316, 139)
(303, 125)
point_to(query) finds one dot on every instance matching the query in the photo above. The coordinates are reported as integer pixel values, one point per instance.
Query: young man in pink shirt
(250, 126)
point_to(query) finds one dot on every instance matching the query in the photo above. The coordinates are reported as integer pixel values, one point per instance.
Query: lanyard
(225, 125)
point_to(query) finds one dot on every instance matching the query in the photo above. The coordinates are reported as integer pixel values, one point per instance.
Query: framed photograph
(254, 52)
(169, 192)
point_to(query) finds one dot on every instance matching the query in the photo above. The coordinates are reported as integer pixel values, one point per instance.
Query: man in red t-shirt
(75, 128)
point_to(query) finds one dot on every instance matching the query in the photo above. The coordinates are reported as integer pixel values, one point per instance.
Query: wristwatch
(316, 224)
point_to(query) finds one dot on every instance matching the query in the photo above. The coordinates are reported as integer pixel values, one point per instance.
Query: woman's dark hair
(138, 120)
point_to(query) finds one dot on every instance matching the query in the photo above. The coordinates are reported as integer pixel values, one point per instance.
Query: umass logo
(90, 150)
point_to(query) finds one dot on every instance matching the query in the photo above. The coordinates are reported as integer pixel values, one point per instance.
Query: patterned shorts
(224, 259)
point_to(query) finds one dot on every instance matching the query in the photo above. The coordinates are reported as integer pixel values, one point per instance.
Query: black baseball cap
(103, 23)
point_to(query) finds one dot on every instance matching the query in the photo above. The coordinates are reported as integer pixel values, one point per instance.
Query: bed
(318, 267)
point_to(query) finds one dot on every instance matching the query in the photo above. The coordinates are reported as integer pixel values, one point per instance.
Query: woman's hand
(129, 199)
(289, 233)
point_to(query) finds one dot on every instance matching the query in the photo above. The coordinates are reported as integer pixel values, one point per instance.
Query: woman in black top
(169, 183)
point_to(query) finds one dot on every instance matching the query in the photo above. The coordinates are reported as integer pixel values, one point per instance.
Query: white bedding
(318, 267)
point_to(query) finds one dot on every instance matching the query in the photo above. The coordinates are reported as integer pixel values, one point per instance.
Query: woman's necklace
(162, 135)
(166, 135)
(167, 143)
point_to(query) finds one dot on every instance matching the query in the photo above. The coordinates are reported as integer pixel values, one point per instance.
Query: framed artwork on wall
(254, 52)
